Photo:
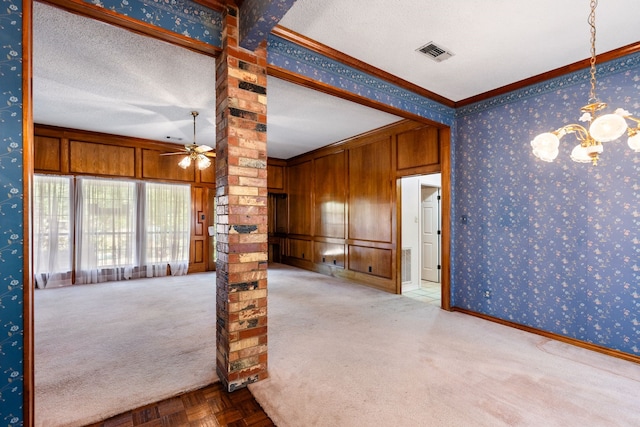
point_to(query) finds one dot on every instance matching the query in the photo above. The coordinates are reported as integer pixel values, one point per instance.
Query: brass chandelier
(603, 128)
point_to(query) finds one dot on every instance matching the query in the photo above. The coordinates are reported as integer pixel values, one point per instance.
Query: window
(52, 230)
(106, 229)
(123, 229)
(167, 228)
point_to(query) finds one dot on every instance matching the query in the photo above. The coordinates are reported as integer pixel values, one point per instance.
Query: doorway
(421, 225)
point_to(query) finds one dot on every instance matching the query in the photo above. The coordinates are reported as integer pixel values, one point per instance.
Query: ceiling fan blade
(202, 149)
(209, 154)
(184, 153)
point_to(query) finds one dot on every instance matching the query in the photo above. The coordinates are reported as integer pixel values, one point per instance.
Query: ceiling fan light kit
(603, 128)
(193, 152)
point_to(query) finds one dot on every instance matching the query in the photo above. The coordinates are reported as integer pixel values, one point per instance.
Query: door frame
(446, 201)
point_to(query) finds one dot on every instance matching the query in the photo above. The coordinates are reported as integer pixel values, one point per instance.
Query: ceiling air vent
(435, 52)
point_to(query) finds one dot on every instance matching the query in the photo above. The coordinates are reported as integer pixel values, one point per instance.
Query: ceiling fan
(194, 152)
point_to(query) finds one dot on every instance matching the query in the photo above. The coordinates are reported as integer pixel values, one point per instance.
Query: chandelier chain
(592, 24)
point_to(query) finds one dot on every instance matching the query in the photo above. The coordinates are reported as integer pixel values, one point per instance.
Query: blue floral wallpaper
(290, 56)
(180, 16)
(11, 211)
(554, 246)
(257, 19)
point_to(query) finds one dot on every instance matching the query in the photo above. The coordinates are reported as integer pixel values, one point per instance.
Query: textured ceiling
(495, 42)
(92, 76)
(89, 75)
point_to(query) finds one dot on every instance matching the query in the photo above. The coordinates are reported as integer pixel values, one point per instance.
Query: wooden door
(198, 249)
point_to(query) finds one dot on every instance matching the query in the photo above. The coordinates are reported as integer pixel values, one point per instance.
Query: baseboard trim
(553, 336)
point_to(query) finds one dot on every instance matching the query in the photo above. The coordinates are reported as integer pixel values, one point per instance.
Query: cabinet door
(300, 198)
(330, 192)
(370, 192)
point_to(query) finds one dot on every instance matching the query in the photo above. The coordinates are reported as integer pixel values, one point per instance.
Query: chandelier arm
(581, 133)
(601, 127)
(633, 119)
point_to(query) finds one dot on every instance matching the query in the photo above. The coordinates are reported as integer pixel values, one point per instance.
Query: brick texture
(241, 181)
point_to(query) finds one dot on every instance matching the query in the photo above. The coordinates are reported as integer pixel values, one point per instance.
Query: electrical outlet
(487, 293)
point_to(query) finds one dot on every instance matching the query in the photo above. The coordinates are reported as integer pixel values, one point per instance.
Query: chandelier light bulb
(185, 162)
(608, 127)
(604, 128)
(545, 146)
(634, 142)
(580, 154)
(203, 162)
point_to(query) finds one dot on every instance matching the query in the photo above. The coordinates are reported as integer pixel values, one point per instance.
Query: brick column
(241, 181)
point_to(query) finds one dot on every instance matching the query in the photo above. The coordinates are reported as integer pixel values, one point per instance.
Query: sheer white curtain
(52, 230)
(166, 229)
(106, 224)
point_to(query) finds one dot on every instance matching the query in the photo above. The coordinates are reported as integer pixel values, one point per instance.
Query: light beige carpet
(103, 349)
(342, 354)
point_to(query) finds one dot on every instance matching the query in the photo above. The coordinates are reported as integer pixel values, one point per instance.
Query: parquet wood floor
(209, 406)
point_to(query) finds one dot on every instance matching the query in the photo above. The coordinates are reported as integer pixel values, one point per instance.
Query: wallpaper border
(290, 56)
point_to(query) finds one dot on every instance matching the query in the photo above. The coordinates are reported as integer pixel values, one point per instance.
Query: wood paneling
(370, 191)
(208, 175)
(275, 177)
(329, 253)
(278, 213)
(48, 154)
(330, 195)
(352, 187)
(300, 249)
(300, 184)
(101, 159)
(93, 153)
(417, 147)
(370, 260)
(155, 166)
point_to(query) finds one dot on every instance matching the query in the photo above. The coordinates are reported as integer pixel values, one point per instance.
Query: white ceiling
(92, 76)
(495, 42)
